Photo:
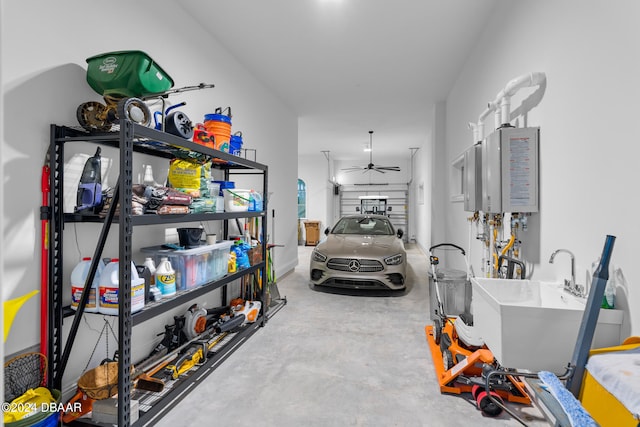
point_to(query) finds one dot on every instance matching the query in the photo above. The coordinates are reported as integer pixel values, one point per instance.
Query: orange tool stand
(470, 366)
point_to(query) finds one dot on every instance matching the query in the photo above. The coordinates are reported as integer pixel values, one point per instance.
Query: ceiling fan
(371, 166)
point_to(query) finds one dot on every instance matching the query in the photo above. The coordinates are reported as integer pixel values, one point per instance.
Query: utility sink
(533, 325)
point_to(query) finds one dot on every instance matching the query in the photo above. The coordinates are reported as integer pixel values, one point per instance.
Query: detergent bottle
(166, 278)
(232, 266)
(257, 201)
(609, 297)
(78, 279)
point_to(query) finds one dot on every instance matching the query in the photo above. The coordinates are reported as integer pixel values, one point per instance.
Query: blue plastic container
(51, 421)
(235, 144)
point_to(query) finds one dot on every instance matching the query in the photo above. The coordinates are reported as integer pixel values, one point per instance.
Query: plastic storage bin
(455, 292)
(236, 200)
(610, 399)
(196, 266)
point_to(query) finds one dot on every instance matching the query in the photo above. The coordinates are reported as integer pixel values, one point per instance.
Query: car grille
(355, 284)
(354, 265)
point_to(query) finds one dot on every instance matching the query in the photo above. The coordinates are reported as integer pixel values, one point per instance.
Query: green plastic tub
(126, 74)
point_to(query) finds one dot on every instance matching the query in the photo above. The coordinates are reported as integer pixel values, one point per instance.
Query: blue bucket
(217, 118)
(229, 185)
(50, 421)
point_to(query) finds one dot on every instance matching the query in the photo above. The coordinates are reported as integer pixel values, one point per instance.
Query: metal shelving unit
(130, 137)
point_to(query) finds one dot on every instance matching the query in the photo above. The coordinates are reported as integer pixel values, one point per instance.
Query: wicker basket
(100, 382)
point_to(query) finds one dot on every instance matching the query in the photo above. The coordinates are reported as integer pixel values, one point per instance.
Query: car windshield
(363, 226)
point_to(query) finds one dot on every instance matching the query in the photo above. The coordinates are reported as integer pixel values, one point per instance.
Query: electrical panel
(472, 178)
(510, 170)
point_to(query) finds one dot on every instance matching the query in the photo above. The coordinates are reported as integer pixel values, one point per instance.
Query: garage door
(397, 199)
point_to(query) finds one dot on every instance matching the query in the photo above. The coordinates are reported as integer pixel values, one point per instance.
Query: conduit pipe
(501, 105)
(474, 129)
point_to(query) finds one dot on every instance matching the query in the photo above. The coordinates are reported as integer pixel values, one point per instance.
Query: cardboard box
(255, 255)
(312, 231)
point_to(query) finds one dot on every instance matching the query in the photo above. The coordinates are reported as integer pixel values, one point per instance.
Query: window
(302, 199)
(457, 179)
(364, 226)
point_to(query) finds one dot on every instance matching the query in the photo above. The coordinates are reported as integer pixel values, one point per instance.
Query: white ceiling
(350, 66)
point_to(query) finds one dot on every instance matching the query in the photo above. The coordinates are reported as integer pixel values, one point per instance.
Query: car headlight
(318, 257)
(393, 260)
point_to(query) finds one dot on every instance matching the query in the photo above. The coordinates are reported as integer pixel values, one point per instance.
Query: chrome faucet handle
(568, 285)
(573, 263)
(574, 289)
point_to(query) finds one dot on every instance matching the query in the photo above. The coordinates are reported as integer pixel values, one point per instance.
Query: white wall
(588, 149)
(436, 197)
(44, 47)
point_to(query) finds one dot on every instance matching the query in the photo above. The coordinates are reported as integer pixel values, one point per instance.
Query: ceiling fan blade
(389, 168)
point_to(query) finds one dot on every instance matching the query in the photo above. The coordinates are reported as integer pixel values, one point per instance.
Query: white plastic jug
(166, 278)
(78, 278)
(108, 289)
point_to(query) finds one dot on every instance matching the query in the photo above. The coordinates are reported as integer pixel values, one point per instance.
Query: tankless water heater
(510, 170)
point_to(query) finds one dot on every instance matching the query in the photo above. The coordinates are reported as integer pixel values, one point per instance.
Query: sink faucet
(511, 263)
(570, 285)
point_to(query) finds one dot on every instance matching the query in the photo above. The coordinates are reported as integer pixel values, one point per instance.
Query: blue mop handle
(590, 318)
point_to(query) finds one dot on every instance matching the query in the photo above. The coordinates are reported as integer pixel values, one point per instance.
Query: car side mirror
(326, 231)
(357, 208)
(400, 233)
(389, 208)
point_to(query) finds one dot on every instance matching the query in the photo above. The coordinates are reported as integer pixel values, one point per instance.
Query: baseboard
(286, 269)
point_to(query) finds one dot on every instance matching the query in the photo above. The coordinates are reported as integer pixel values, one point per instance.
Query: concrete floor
(337, 359)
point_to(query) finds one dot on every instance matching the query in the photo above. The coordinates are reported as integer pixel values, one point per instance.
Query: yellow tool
(11, 308)
(195, 358)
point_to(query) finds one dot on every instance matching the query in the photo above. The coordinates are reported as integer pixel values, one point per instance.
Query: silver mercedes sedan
(360, 252)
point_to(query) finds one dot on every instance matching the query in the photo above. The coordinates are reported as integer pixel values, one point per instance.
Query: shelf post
(125, 274)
